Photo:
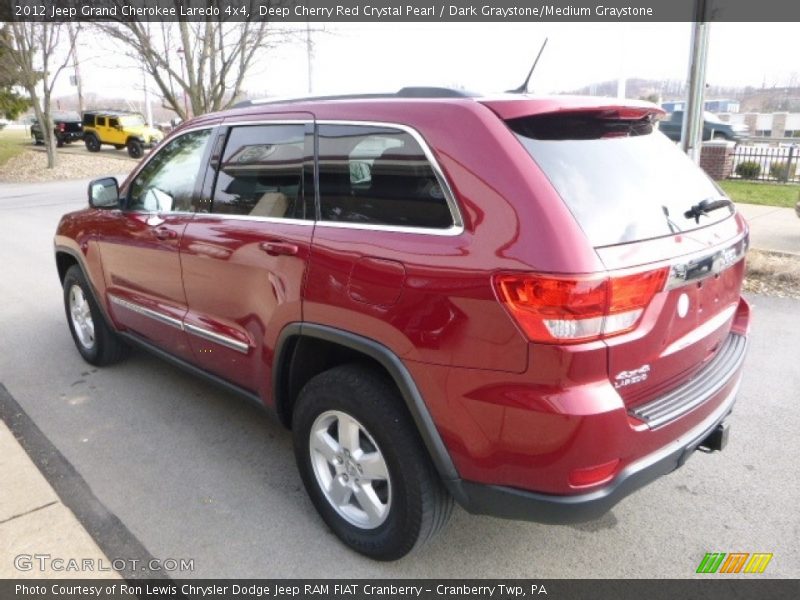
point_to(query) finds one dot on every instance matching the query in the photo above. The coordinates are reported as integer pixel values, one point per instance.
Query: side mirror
(104, 193)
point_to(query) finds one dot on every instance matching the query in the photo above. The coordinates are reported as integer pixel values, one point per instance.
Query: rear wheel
(364, 465)
(59, 142)
(135, 148)
(96, 341)
(36, 140)
(92, 143)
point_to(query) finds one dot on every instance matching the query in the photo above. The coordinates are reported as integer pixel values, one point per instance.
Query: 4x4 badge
(624, 378)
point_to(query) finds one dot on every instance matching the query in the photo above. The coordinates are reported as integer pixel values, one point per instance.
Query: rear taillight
(61, 127)
(570, 309)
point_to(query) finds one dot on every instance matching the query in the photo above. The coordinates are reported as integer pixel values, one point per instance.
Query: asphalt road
(196, 473)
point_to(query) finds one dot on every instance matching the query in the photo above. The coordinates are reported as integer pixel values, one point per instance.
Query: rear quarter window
(378, 176)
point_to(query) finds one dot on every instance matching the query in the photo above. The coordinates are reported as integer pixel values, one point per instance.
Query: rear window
(621, 179)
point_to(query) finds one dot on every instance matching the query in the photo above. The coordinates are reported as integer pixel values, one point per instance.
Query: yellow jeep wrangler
(119, 129)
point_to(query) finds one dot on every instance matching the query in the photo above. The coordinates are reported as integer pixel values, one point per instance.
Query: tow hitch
(717, 439)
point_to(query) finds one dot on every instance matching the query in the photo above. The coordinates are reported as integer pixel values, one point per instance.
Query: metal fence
(762, 162)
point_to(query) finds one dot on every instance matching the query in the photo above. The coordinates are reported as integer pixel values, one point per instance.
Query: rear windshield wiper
(706, 206)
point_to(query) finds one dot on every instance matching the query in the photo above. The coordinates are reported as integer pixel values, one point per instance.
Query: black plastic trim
(79, 259)
(697, 390)
(394, 366)
(194, 370)
(512, 503)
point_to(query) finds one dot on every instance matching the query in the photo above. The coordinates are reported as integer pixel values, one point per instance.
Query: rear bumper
(512, 503)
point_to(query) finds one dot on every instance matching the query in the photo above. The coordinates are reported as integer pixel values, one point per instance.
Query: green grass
(769, 194)
(12, 142)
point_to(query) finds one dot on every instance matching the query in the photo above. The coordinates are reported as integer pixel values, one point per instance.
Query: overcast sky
(488, 57)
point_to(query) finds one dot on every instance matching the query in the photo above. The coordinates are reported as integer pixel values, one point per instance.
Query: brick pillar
(779, 124)
(716, 159)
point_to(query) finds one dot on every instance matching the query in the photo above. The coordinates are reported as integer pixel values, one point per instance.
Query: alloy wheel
(350, 469)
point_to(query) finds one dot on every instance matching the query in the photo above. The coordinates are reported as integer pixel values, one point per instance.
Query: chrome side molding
(222, 340)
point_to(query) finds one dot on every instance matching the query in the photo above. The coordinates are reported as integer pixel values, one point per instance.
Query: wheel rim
(81, 316)
(350, 469)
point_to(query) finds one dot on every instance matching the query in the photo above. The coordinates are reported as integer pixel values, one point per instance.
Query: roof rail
(406, 92)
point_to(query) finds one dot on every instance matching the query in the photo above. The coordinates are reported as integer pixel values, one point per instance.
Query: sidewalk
(33, 521)
(772, 228)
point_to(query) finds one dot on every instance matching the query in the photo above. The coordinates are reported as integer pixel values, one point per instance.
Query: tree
(32, 50)
(198, 67)
(11, 103)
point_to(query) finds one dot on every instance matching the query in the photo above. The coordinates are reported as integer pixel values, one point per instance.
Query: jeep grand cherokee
(528, 306)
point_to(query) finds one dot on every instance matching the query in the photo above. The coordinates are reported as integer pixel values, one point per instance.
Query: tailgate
(684, 326)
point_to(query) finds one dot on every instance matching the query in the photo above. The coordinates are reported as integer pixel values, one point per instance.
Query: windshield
(623, 181)
(132, 121)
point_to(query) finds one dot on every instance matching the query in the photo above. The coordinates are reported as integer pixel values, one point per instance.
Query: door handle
(275, 248)
(165, 233)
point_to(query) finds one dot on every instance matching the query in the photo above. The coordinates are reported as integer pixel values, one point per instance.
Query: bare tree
(36, 52)
(199, 67)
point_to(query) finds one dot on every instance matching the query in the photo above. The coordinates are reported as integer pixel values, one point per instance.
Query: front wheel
(92, 143)
(96, 341)
(135, 149)
(364, 465)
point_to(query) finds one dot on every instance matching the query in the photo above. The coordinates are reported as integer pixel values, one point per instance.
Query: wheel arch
(65, 259)
(307, 349)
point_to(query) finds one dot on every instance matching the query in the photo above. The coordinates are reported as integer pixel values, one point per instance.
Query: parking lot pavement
(195, 473)
(772, 228)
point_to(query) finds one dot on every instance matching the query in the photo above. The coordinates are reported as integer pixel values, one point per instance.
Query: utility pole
(147, 107)
(692, 128)
(309, 56)
(75, 64)
(621, 79)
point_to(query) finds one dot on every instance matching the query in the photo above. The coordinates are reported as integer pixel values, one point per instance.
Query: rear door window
(378, 176)
(622, 180)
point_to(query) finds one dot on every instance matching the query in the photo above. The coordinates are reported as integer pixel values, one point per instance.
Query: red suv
(528, 306)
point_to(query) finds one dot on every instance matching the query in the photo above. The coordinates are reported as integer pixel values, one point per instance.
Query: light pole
(692, 127)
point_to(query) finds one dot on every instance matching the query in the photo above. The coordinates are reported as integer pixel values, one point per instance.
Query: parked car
(713, 128)
(528, 306)
(119, 129)
(67, 128)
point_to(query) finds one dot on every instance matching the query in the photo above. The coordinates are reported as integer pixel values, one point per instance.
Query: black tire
(59, 142)
(92, 143)
(419, 505)
(37, 141)
(106, 347)
(135, 148)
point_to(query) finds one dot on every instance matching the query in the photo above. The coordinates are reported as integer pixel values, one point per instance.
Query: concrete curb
(35, 524)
